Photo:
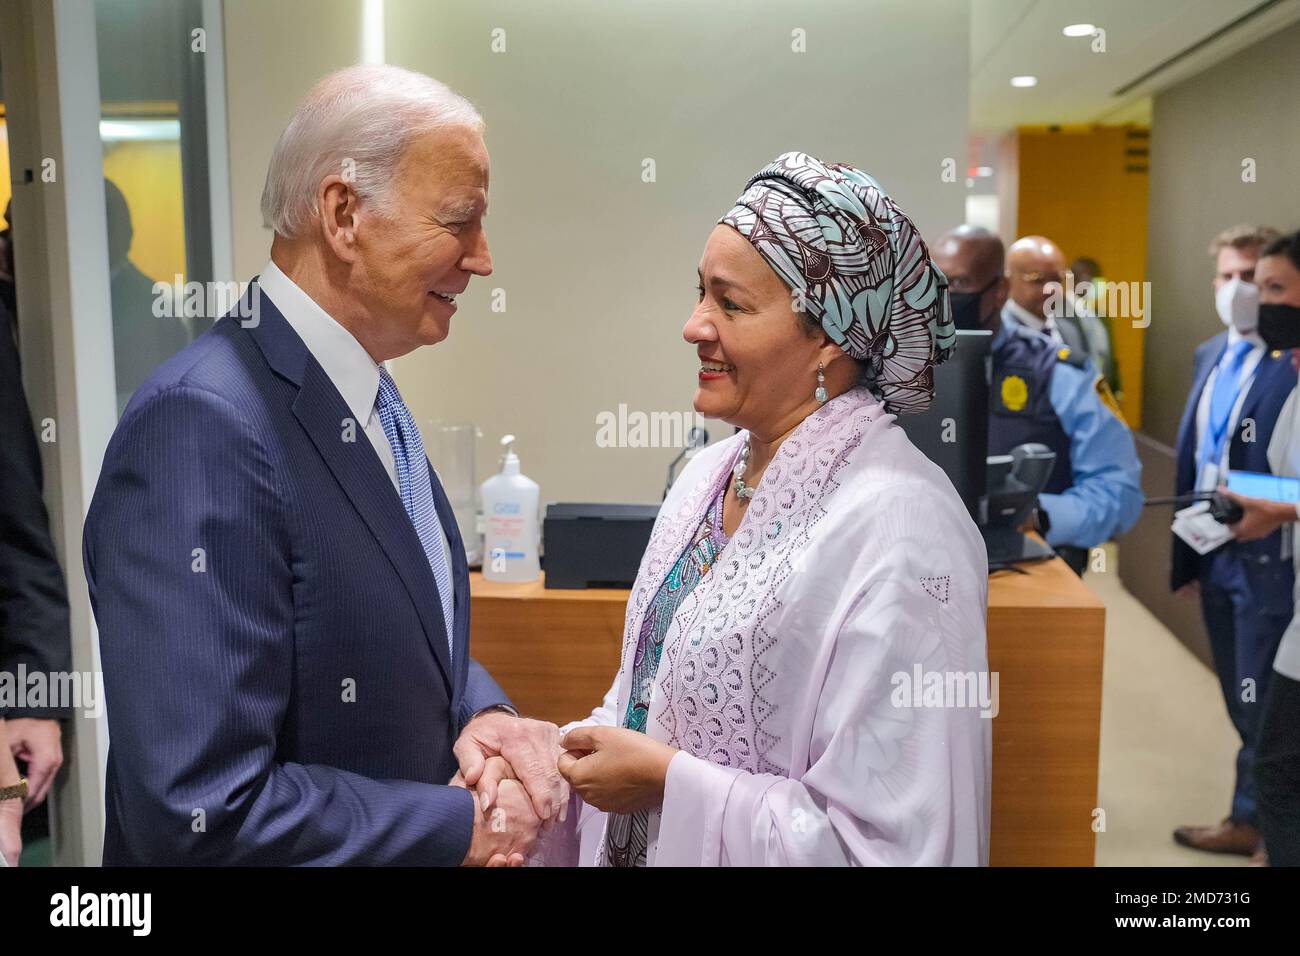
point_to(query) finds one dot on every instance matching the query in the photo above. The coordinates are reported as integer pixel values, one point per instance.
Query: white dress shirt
(347, 364)
(1249, 365)
(1029, 320)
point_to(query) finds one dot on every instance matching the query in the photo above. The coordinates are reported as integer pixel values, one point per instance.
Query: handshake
(520, 772)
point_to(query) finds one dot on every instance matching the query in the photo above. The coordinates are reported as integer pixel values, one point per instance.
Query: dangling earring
(820, 393)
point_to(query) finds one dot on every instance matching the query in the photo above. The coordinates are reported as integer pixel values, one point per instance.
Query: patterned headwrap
(857, 265)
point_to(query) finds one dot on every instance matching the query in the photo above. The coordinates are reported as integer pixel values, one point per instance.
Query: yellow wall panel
(149, 175)
(1085, 188)
(6, 190)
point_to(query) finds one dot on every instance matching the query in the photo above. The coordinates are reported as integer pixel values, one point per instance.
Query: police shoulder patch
(1070, 357)
(1108, 398)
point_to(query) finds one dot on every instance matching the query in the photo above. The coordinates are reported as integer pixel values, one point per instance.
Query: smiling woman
(797, 568)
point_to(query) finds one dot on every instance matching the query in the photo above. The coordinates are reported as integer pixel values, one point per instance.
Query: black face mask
(1279, 326)
(966, 307)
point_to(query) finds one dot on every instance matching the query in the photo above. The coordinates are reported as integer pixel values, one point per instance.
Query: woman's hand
(615, 769)
(1262, 517)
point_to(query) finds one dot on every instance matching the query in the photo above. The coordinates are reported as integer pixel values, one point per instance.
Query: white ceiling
(1076, 85)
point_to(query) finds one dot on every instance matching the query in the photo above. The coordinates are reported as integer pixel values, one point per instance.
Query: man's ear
(1001, 291)
(336, 203)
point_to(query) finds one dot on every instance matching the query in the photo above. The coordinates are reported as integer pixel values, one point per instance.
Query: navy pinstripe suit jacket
(278, 685)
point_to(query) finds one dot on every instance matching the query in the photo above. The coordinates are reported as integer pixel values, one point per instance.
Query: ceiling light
(1024, 81)
(1079, 30)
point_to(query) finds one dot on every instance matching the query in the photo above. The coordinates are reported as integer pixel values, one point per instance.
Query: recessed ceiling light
(1079, 30)
(1024, 81)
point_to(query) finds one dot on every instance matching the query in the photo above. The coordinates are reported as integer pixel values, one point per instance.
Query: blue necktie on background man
(1222, 401)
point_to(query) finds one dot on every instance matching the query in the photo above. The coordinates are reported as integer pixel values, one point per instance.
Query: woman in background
(1277, 757)
(805, 577)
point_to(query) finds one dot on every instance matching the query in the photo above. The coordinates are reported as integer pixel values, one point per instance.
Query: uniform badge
(1014, 392)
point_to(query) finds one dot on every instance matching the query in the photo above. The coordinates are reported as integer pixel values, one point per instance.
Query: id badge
(1208, 480)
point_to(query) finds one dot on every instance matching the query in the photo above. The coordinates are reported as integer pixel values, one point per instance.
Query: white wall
(598, 268)
(274, 53)
(1201, 132)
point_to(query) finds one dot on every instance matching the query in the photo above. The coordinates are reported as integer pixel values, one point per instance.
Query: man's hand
(11, 811)
(1191, 591)
(505, 834)
(1262, 517)
(11, 830)
(529, 748)
(39, 744)
(616, 769)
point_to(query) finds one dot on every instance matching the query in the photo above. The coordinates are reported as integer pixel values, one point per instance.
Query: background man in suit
(1238, 388)
(141, 340)
(280, 586)
(34, 630)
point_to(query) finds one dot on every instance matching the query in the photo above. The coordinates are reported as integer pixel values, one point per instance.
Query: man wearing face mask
(1238, 389)
(1045, 392)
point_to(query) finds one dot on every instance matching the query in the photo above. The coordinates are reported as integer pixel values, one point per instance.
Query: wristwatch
(504, 708)
(16, 792)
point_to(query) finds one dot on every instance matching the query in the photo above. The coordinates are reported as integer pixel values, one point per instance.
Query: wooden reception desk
(555, 653)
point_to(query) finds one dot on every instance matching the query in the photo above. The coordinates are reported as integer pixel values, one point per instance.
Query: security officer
(1043, 392)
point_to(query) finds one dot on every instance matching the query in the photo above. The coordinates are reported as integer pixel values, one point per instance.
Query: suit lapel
(459, 582)
(1261, 384)
(324, 415)
(1198, 386)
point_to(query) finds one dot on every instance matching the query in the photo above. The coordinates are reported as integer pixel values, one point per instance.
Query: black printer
(595, 545)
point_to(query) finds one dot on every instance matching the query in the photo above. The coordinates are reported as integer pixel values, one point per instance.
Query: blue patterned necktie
(1222, 400)
(416, 488)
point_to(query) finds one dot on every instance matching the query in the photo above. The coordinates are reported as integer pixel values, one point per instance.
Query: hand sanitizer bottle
(510, 524)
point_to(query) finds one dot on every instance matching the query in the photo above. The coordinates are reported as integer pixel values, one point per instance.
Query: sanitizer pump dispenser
(511, 533)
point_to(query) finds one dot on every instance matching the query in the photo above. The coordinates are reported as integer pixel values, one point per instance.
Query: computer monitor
(954, 432)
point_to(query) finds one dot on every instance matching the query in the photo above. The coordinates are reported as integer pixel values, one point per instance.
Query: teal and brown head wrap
(857, 265)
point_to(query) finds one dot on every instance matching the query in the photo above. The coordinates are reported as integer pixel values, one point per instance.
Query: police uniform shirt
(1104, 498)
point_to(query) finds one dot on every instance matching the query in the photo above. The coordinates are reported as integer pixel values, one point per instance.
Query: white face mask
(1237, 303)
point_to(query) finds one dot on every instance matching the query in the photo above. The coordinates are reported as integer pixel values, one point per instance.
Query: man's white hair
(354, 123)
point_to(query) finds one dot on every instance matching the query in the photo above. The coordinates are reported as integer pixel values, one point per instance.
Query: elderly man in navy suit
(1244, 587)
(280, 587)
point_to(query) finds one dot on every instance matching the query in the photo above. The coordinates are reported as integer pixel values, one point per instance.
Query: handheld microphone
(1223, 510)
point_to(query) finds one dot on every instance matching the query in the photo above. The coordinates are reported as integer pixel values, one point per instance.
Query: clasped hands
(521, 772)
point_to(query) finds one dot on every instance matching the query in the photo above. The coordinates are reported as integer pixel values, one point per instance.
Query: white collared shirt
(1244, 380)
(347, 364)
(1019, 313)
